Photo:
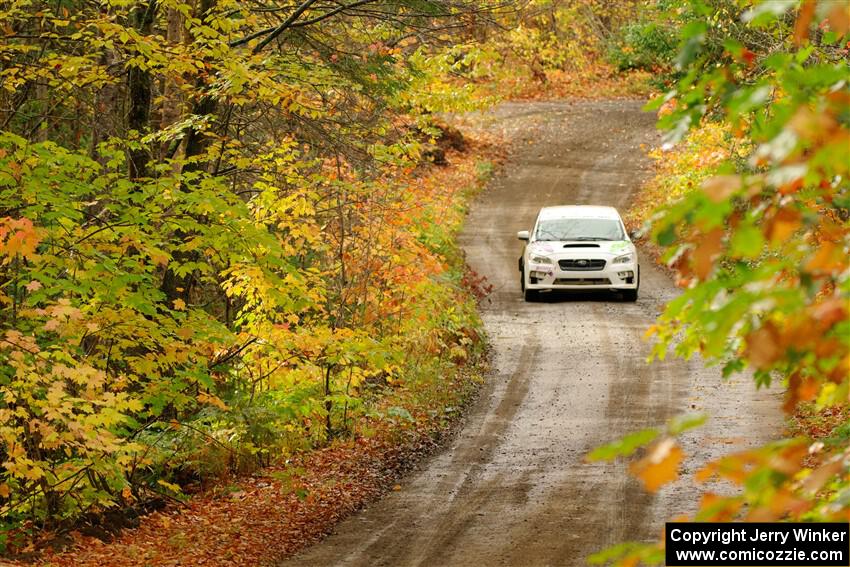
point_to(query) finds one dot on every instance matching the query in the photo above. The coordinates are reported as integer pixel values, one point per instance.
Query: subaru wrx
(579, 247)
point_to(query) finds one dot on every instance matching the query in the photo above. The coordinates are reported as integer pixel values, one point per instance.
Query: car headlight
(624, 259)
(541, 260)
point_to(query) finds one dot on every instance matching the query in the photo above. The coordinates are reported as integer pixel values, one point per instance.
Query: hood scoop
(582, 245)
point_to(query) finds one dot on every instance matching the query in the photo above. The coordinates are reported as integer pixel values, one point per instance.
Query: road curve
(569, 374)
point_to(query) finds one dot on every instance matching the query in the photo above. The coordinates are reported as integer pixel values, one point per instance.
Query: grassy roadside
(273, 512)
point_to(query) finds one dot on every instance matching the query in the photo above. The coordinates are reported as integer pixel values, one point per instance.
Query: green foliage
(211, 239)
(760, 238)
(644, 45)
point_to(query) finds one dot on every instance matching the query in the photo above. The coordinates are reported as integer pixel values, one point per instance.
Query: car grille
(581, 264)
(582, 281)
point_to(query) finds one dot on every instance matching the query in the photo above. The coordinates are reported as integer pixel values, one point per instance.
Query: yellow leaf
(660, 466)
(179, 305)
(213, 400)
(4, 490)
(170, 486)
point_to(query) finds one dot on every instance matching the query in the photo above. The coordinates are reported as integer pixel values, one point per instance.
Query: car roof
(579, 212)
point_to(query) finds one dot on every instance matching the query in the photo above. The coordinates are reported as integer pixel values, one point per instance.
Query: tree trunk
(139, 87)
(196, 143)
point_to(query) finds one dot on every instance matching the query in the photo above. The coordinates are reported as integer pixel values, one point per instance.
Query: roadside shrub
(645, 45)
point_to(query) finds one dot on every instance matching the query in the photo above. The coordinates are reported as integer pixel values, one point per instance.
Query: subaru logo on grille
(582, 262)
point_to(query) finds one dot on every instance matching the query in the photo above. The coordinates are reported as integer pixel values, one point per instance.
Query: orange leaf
(808, 390)
(830, 312)
(721, 187)
(825, 258)
(821, 476)
(783, 224)
(799, 389)
(763, 347)
(706, 473)
(804, 20)
(660, 466)
(706, 251)
(792, 395)
(839, 18)
(213, 400)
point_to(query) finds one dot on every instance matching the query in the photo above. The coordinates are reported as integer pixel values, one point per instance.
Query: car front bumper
(552, 277)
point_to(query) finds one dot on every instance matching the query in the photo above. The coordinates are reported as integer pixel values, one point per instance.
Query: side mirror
(522, 235)
(634, 235)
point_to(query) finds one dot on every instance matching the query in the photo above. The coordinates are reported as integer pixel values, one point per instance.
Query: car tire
(528, 295)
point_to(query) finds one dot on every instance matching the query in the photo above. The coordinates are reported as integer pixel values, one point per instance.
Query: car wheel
(530, 295)
(521, 277)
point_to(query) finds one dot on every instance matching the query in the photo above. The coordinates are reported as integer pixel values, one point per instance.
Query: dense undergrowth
(295, 499)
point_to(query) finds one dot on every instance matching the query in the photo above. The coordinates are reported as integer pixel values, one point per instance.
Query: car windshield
(579, 229)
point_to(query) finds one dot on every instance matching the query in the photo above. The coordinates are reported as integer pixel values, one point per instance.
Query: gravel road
(570, 373)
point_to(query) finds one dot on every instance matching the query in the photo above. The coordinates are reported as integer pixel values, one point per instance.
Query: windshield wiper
(591, 238)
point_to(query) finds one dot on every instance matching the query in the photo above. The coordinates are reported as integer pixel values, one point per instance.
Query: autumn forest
(230, 255)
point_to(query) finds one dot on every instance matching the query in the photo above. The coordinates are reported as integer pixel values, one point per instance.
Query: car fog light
(538, 275)
(626, 275)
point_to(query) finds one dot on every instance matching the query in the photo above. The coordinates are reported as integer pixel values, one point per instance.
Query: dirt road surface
(569, 374)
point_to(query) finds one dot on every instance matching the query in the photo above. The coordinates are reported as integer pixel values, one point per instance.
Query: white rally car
(579, 247)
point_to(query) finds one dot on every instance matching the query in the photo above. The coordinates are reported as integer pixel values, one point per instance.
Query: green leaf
(667, 236)
(623, 447)
(747, 242)
(681, 423)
